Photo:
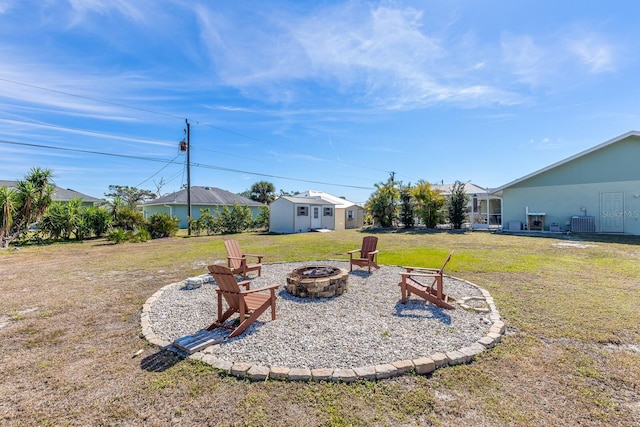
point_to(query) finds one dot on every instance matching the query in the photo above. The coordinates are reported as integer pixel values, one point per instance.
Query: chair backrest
(369, 244)
(445, 263)
(233, 250)
(227, 283)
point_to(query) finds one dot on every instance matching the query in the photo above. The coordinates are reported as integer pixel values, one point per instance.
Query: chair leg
(246, 322)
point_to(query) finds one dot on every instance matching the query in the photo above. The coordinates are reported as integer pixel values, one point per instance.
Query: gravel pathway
(367, 325)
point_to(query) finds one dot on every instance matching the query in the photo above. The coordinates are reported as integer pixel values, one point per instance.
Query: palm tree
(8, 206)
(30, 202)
(263, 192)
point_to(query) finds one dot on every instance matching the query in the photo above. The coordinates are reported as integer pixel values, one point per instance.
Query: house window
(328, 211)
(303, 210)
(349, 214)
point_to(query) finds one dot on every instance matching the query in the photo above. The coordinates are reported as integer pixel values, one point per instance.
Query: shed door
(612, 214)
(316, 220)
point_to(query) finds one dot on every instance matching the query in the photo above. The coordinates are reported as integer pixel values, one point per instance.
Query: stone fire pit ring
(317, 281)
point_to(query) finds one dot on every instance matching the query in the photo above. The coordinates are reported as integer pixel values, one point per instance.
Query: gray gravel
(367, 325)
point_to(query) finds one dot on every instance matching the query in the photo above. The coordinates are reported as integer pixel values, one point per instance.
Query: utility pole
(186, 146)
(188, 177)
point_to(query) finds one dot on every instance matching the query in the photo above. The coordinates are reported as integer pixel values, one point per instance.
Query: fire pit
(317, 281)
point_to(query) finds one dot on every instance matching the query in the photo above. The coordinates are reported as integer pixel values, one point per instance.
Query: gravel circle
(367, 325)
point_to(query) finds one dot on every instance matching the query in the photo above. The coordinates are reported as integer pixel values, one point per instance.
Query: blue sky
(325, 95)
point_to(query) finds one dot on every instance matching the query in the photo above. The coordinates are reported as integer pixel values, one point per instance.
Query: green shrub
(262, 220)
(162, 225)
(234, 220)
(98, 219)
(140, 235)
(206, 222)
(118, 235)
(128, 219)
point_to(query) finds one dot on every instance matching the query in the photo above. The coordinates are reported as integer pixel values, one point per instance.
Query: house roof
(59, 194)
(203, 196)
(569, 159)
(339, 202)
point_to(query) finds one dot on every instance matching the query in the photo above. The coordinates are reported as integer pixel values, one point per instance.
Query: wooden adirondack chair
(368, 254)
(432, 292)
(249, 303)
(237, 261)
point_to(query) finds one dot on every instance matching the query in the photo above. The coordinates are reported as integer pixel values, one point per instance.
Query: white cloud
(552, 60)
(380, 57)
(595, 54)
(529, 62)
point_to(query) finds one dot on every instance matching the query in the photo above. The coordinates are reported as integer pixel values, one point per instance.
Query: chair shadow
(361, 273)
(160, 361)
(420, 309)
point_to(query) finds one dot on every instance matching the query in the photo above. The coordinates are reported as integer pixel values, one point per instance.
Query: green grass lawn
(571, 355)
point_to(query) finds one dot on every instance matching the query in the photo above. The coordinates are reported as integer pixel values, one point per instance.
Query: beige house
(313, 210)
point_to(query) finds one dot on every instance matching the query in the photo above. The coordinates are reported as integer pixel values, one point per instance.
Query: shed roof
(203, 196)
(339, 202)
(306, 200)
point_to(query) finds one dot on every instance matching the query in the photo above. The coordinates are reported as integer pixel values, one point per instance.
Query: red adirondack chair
(432, 292)
(249, 303)
(237, 261)
(368, 254)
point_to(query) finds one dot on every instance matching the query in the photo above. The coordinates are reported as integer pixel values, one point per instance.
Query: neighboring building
(313, 210)
(597, 190)
(484, 209)
(175, 204)
(60, 194)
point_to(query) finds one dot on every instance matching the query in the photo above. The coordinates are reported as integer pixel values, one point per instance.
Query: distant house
(484, 209)
(597, 190)
(212, 198)
(313, 210)
(60, 194)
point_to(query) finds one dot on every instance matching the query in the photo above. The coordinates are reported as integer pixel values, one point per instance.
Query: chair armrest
(374, 252)
(255, 256)
(245, 283)
(414, 274)
(264, 288)
(353, 251)
(422, 269)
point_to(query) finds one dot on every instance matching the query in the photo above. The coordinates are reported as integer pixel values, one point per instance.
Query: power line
(160, 170)
(201, 165)
(159, 113)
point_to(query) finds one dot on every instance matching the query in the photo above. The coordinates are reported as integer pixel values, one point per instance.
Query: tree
(382, 203)
(407, 207)
(457, 205)
(429, 203)
(9, 205)
(234, 220)
(263, 192)
(262, 220)
(23, 207)
(131, 196)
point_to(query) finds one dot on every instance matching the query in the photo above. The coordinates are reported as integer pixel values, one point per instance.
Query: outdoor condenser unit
(583, 224)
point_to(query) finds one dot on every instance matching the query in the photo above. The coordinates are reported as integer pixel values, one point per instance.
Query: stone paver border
(422, 366)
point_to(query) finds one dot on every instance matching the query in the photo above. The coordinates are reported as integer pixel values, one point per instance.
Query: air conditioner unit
(583, 224)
